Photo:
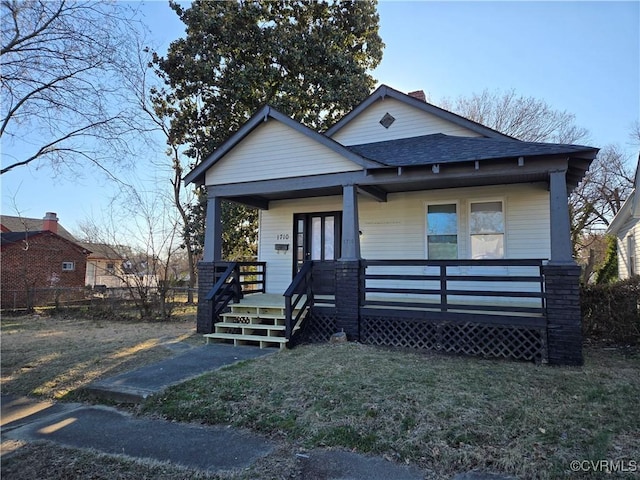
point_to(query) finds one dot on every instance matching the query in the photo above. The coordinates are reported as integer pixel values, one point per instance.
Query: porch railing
(298, 298)
(233, 281)
(450, 287)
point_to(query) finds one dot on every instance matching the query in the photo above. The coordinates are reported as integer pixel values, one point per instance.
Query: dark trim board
(435, 317)
(380, 182)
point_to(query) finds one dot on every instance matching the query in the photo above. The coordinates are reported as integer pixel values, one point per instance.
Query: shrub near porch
(447, 414)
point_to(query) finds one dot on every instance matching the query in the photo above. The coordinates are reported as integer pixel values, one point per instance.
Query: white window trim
(426, 225)
(68, 263)
(504, 219)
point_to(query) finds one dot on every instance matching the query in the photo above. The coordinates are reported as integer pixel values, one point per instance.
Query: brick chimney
(418, 95)
(50, 222)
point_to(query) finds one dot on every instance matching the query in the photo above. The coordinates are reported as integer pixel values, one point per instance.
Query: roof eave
(622, 217)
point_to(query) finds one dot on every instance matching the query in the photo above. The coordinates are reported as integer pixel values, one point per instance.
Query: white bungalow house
(403, 224)
(626, 227)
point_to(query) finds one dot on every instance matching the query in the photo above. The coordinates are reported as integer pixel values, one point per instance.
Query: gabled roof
(21, 224)
(385, 91)
(11, 238)
(264, 114)
(8, 238)
(440, 148)
(102, 251)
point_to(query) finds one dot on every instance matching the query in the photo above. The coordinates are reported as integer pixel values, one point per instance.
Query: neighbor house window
(486, 226)
(68, 266)
(111, 268)
(442, 232)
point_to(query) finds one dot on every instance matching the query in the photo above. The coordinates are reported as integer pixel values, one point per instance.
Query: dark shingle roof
(440, 148)
(23, 224)
(7, 238)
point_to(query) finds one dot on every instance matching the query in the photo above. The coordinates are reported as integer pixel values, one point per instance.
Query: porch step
(253, 318)
(248, 328)
(238, 340)
(256, 319)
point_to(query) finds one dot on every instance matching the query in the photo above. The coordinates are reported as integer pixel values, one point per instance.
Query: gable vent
(387, 120)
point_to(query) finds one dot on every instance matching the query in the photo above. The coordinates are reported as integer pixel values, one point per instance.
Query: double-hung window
(486, 228)
(442, 231)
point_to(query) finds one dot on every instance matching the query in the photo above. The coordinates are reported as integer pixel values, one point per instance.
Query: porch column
(350, 227)
(564, 319)
(562, 281)
(206, 268)
(213, 230)
(561, 249)
(349, 281)
(206, 280)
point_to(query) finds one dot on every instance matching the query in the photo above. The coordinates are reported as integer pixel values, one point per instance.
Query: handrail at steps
(300, 286)
(238, 279)
(224, 290)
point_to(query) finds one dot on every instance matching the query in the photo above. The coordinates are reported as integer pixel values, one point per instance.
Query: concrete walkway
(113, 431)
(136, 385)
(109, 430)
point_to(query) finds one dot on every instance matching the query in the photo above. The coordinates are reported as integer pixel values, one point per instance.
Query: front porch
(496, 308)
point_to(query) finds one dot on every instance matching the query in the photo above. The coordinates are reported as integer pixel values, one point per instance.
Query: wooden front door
(316, 236)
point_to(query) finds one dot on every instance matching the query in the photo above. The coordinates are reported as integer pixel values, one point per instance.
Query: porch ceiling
(380, 182)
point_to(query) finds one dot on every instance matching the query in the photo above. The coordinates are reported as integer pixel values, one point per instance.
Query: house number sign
(282, 236)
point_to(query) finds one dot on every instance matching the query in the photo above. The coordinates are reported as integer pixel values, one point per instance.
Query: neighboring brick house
(40, 267)
(50, 222)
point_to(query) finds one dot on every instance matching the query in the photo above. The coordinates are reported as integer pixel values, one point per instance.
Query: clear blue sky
(582, 57)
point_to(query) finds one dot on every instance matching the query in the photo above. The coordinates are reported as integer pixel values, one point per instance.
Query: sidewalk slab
(136, 385)
(19, 411)
(341, 465)
(114, 432)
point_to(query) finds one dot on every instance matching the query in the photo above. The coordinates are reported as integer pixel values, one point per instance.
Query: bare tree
(524, 118)
(63, 100)
(602, 192)
(605, 186)
(142, 232)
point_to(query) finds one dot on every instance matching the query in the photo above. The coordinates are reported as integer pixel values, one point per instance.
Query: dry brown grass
(52, 356)
(444, 414)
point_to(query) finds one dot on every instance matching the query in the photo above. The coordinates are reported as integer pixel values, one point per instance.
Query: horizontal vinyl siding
(528, 222)
(409, 122)
(274, 150)
(278, 220)
(396, 229)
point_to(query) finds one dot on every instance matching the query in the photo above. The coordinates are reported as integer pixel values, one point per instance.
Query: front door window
(317, 237)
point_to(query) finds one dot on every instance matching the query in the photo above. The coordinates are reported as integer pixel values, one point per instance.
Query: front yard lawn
(444, 414)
